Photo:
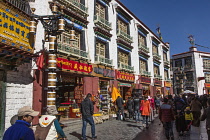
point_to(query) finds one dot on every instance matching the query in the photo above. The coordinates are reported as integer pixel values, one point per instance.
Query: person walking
(21, 129)
(157, 104)
(136, 104)
(166, 116)
(206, 115)
(145, 110)
(196, 107)
(188, 118)
(129, 106)
(49, 128)
(120, 107)
(87, 111)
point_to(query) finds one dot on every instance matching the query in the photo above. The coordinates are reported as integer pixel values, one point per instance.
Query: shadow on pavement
(130, 125)
(79, 136)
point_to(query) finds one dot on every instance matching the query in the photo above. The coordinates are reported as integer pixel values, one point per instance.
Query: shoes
(94, 138)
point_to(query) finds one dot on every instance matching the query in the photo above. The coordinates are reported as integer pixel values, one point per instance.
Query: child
(188, 118)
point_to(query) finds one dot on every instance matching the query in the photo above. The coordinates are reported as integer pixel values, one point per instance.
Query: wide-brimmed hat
(52, 110)
(26, 110)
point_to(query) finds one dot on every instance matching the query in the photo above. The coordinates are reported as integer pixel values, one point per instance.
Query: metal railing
(103, 60)
(156, 56)
(158, 76)
(22, 5)
(167, 79)
(103, 21)
(146, 73)
(76, 4)
(125, 67)
(144, 48)
(125, 36)
(71, 50)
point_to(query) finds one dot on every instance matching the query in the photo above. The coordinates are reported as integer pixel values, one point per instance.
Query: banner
(74, 65)
(124, 76)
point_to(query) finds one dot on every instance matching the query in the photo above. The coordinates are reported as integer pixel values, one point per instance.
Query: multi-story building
(191, 71)
(103, 45)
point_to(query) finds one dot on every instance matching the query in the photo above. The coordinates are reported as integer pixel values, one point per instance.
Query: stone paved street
(129, 130)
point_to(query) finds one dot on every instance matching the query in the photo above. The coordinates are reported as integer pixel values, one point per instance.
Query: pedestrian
(136, 104)
(206, 115)
(180, 106)
(49, 128)
(120, 107)
(188, 118)
(145, 110)
(157, 104)
(129, 106)
(87, 111)
(196, 107)
(166, 116)
(21, 129)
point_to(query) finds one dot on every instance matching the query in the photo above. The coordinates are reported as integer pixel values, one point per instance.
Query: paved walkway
(129, 130)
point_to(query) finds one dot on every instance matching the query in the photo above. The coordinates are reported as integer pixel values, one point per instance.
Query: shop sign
(104, 72)
(143, 79)
(157, 82)
(73, 65)
(125, 85)
(167, 84)
(207, 84)
(124, 76)
(14, 29)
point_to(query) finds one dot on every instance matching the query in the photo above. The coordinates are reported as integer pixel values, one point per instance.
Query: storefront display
(104, 95)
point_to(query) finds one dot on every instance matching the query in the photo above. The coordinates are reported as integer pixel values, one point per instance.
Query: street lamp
(54, 25)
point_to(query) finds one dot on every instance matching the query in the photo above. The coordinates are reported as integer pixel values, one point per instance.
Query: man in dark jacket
(129, 106)
(20, 130)
(136, 104)
(206, 115)
(166, 116)
(87, 111)
(119, 103)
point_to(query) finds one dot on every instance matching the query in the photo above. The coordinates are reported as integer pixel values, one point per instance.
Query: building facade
(191, 71)
(104, 45)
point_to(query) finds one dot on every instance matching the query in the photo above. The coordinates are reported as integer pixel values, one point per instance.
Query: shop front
(207, 88)
(145, 85)
(157, 88)
(71, 86)
(167, 88)
(125, 83)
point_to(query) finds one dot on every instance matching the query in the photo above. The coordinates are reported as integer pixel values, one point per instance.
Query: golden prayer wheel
(61, 24)
(50, 102)
(54, 8)
(52, 64)
(32, 27)
(72, 35)
(51, 84)
(52, 57)
(51, 94)
(51, 75)
(52, 38)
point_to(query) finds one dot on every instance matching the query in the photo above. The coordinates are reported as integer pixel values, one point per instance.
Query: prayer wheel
(61, 25)
(32, 28)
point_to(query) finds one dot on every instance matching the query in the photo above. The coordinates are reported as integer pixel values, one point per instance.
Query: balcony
(102, 60)
(22, 5)
(145, 73)
(156, 56)
(157, 76)
(102, 22)
(77, 6)
(166, 62)
(167, 79)
(124, 67)
(143, 48)
(125, 36)
(72, 51)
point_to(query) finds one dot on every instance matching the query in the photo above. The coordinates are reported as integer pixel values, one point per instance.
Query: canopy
(188, 92)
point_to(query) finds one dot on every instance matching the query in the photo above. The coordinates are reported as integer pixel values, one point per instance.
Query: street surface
(129, 130)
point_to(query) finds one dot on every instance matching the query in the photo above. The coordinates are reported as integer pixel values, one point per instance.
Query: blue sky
(177, 19)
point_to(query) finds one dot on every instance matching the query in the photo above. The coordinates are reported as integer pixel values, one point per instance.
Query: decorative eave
(120, 41)
(144, 53)
(72, 15)
(119, 9)
(102, 32)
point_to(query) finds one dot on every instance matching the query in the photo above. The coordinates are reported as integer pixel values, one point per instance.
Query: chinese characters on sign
(167, 84)
(124, 76)
(146, 80)
(157, 82)
(73, 65)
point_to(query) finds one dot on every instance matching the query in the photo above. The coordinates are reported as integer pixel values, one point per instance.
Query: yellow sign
(167, 84)
(14, 29)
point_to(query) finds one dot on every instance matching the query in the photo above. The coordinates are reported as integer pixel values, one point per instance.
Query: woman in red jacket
(145, 110)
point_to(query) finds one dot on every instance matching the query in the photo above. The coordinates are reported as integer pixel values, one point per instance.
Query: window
(207, 77)
(142, 40)
(166, 74)
(189, 77)
(122, 26)
(143, 65)
(156, 70)
(100, 49)
(165, 56)
(76, 43)
(178, 63)
(188, 62)
(100, 10)
(154, 49)
(123, 57)
(206, 63)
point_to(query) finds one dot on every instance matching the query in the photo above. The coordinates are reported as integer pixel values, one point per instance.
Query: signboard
(14, 29)
(73, 65)
(207, 85)
(125, 85)
(144, 80)
(157, 82)
(124, 76)
(104, 72)
(167, 84)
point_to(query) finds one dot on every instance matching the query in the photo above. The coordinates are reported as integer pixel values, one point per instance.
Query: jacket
(129, 105)
(87, 109)
(206, 115)
(19, 131)
(166, 113)
(195, 105)
(136, 104)
(119, 102)
(145, 104)
(188, 115)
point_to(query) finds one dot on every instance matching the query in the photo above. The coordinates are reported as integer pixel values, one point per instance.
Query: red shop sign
(124, 76)
(73, 65)
(143, 79)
